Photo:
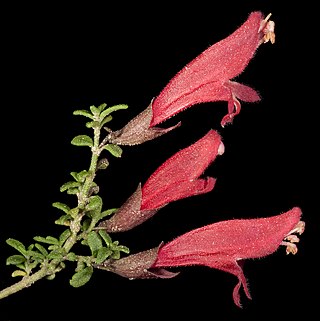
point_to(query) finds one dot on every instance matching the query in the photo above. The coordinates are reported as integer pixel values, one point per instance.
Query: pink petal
(178, 191)
(219, 63)
(224, 244)
(184, 166)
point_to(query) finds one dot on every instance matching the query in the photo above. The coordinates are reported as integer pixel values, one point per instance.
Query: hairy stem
(75, 226)
(28, 280)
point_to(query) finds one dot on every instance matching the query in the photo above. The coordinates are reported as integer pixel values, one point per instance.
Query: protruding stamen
(267, 27)
(291, 238)
(264, 21)
(299, 228)
(291, 247)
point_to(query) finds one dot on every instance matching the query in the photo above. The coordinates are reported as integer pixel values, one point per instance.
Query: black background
(57, 58)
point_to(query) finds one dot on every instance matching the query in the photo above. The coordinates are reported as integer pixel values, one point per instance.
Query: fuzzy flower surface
(207, 78)
(226, 244)
(223, 245)
(177, 178)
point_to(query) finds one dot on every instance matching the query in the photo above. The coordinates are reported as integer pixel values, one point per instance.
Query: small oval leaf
(63, 220)
(112, 109)
(106, 237)
(103, 254)
(69, 185)
(61, 206)
(107, 212)
(41, 249)
(95, 203)
(47, 240)
(82, 140)
(115, 150)
(94, 242)
(17, 245)
(64, 236)
(18, 273)
(95, 110)
(82, 277)
(15, 259)
(83, 113)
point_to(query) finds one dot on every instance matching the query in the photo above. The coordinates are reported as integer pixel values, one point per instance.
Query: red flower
(176, 178)
(207, 77)
(223, 245)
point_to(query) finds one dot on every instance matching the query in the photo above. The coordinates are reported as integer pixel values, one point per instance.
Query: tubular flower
(176, 178)
(207, 77)
(223, 245)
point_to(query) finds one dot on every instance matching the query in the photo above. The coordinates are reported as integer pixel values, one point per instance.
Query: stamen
(267, 27)
(264, 21)
(299, 228)
(291, 247)
(291, 238)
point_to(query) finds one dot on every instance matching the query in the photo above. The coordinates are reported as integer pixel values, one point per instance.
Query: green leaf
(47, 240)
(95, 203)
(82, 277)
(93, 215)
(53, 240)
(69, 185)
(57, 255)
(80, 266)
(53, 247)
(64, 236)
(41, 249)
(71, 256)
(94, 242)
(18, 273)
(103, 254)
(36, 255)
(106, 237)
(107, 212)
(105, 120)
(83, 113)
(74, 212)
(63, 220)
(21, 266)
(61, 206)
(73, 191)
(84, 242)
(85, 224)
(115, 150)
(123, 248)
(93, 124)
(82, 140)
(32, 265)
(102, 106)
(79, 176)
(112, 109)
(116, 255)
(94, 110)
(15, 259)
(17, 245)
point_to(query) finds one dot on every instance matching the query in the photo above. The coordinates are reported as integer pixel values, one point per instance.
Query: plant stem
(75, 227)
(27, 281)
